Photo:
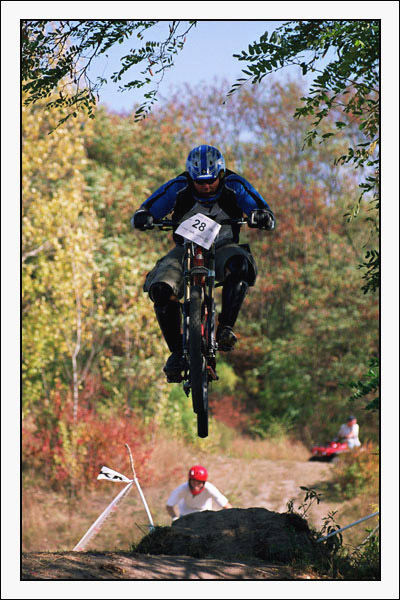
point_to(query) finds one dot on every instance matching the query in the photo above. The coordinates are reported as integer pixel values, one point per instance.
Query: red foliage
(93, 388)
(65, 452)
(230, 411)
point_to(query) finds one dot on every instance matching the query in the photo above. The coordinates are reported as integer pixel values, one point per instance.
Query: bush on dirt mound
(233, 534)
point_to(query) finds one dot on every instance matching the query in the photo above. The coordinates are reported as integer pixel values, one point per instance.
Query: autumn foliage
(92, 350)
(230, 411)
(358, 472)
(70, 454)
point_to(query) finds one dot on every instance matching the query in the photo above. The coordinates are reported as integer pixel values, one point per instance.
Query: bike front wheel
(198, 362)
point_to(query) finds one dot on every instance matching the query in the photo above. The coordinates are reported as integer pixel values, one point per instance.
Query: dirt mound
(252, 533)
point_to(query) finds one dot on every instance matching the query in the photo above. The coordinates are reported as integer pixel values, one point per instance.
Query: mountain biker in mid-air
(206, 187)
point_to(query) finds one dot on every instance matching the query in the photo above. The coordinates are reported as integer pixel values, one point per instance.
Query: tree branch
(44, 246)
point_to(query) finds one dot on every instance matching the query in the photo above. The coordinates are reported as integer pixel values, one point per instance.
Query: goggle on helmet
(205, 162)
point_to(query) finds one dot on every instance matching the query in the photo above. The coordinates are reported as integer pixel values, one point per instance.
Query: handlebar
(168, 224)
(241, 221)
(165, 223)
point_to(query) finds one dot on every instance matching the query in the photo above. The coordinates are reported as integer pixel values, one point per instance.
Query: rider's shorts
(169, 269)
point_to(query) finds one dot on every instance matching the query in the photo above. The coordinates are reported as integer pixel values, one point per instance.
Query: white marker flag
(111, 475)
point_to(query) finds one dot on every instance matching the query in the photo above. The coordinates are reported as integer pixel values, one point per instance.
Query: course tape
(347, 526)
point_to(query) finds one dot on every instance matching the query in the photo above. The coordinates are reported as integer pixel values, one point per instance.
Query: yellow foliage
(60, 235)
(82, 286)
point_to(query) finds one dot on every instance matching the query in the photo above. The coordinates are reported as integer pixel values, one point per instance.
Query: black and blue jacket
(234, 197)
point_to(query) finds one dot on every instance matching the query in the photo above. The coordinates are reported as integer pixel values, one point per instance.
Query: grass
(344, 564)
(335, 559)
(355, 483)
(281, 449)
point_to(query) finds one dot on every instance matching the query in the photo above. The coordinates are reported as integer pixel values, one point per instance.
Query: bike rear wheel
(198, 362)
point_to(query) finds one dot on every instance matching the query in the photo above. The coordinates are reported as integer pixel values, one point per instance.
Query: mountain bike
(198, 308)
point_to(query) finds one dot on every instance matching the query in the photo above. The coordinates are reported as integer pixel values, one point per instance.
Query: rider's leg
(233, 293)
(169, 317)
(168, 313)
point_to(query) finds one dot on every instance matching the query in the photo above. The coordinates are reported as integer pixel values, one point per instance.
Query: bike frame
(198, 294)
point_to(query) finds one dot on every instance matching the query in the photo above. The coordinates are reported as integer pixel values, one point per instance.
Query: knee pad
(160, 293)
(238, 267)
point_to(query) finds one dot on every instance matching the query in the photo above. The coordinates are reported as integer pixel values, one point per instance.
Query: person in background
(195, 495)
(349, 432)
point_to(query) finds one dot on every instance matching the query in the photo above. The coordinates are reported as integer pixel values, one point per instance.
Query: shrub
(72, 454)
(357, 472)
(231, 412)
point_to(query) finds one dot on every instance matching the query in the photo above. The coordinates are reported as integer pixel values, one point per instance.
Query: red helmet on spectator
(198, 473)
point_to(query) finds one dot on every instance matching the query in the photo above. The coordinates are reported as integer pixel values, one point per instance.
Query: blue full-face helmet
(205, 162)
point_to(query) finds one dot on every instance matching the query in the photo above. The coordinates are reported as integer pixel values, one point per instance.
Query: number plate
(199, 229)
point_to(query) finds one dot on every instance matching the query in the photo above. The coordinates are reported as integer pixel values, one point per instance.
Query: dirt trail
(261, 483)
(271, 483)
(97, 566)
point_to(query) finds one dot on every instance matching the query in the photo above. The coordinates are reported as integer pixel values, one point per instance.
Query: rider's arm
(228, 505)
(159, 204)
(247, 197)
(162, 201)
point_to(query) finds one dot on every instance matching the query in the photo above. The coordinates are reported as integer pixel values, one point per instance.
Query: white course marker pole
(135, 479)
(347, 527)
(95, 528)
(112, 475)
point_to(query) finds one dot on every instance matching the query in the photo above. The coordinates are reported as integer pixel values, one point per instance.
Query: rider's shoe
(174, 367)
(226, 339)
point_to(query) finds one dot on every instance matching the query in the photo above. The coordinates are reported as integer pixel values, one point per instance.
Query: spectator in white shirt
(195, 495)
(349, 432)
